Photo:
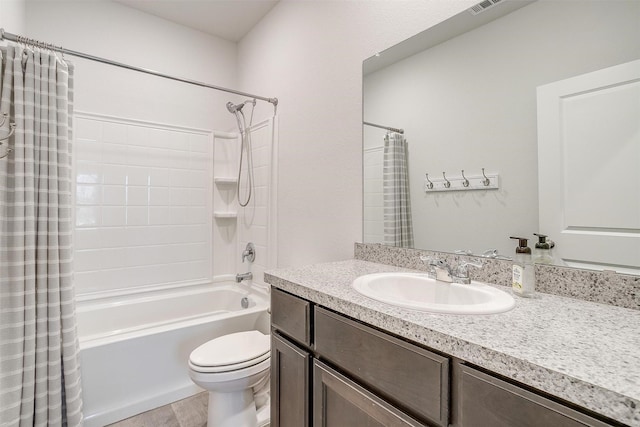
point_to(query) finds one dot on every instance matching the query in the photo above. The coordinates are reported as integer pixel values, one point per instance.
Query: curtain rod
(384, 127)
(19, 39)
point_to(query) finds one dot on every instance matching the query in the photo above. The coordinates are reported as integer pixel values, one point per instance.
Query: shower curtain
(39, 370)
(398, 227)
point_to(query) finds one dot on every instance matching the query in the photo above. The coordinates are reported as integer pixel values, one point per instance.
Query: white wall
(12, 16)
(309, 54)
(113, 31)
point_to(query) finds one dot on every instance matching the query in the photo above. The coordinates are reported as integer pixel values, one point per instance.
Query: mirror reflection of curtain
(398, 227)
(39, 363)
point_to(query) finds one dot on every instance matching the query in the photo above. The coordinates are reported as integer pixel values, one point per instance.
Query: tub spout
(244, 276)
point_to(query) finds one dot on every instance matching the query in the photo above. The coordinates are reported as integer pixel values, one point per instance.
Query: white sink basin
(417, 291)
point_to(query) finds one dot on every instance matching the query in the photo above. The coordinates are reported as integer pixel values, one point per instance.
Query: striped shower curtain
(39, 371)
(398, 227)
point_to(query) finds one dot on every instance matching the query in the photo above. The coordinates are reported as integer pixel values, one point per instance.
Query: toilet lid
(231, 349)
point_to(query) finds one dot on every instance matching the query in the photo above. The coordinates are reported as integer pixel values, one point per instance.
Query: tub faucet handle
(249, 252)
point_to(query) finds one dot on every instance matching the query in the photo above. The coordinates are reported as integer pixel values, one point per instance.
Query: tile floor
(189, 412)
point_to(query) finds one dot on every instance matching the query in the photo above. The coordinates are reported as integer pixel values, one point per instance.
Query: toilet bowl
(234, 369)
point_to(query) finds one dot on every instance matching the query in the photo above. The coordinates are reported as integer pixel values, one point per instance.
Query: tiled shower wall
(143, 203)
(373, 195)
(256, 222)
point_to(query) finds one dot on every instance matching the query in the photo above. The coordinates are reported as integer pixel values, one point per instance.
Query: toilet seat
(231, 352)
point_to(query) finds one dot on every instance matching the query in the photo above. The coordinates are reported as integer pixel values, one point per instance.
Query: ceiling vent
(482, 6)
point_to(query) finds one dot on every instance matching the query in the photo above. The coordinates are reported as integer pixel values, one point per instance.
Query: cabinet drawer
(338, 401)
(291, 315)
(407, 375)
(489, 401)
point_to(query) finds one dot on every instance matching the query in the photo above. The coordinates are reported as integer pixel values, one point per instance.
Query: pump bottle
(543, 252)
(524, 279)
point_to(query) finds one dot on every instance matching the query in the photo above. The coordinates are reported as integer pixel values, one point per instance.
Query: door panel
(589, 167)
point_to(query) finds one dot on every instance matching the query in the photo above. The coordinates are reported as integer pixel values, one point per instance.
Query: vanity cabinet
(327, 370)
(332, 371)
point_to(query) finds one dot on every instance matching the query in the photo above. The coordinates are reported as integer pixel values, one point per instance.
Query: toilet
(234, 369)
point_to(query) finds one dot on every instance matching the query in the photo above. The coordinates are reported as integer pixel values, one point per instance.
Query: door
(589, 167)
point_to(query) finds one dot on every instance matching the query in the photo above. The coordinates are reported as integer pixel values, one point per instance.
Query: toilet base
(235, 409)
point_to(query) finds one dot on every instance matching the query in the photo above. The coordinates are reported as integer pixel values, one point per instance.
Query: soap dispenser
(524, 278)
(542, 253)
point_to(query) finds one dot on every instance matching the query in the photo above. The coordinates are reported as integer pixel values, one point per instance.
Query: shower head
(233, 108)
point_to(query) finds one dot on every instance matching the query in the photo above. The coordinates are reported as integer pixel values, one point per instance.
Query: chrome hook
(430, 184)
(486, 180)
(447, 184)
(465, 183)
(4, 118)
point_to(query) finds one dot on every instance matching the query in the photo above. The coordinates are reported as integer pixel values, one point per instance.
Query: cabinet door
(339, 402)
(289, 384)
(404, 374)
(488, 401)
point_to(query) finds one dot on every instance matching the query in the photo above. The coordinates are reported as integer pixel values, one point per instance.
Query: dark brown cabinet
(488, 401)
(332, 371)
(289, 384)
(379, 362)
(338, 401)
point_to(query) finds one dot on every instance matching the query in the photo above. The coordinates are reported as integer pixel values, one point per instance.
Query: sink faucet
(244, 276)
(443, 272)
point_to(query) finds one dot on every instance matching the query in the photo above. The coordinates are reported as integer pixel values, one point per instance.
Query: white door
(589, 167)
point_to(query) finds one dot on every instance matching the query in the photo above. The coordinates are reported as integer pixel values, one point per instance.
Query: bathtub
(134, 349)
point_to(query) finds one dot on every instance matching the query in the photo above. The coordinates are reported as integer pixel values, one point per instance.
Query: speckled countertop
(583, 352)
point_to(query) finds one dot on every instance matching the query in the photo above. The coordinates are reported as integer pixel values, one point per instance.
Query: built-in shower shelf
(225, 215)
(225, 180)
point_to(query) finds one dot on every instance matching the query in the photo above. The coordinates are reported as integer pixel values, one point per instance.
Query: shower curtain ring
(12, 130)
(6, 153)
(4, 118)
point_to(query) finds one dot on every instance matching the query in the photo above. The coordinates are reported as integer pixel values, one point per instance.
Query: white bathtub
(134, 350)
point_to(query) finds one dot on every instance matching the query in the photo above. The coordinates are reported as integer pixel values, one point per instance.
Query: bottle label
(518, 275)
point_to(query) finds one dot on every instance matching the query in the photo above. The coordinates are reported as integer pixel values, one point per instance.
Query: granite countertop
(582, 352)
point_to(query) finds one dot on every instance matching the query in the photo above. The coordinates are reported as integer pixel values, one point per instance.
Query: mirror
(465, 94)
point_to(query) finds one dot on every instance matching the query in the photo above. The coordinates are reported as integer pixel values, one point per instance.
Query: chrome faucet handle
(461, 273)
(431, 262)
(249, 252)
(440, 270)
